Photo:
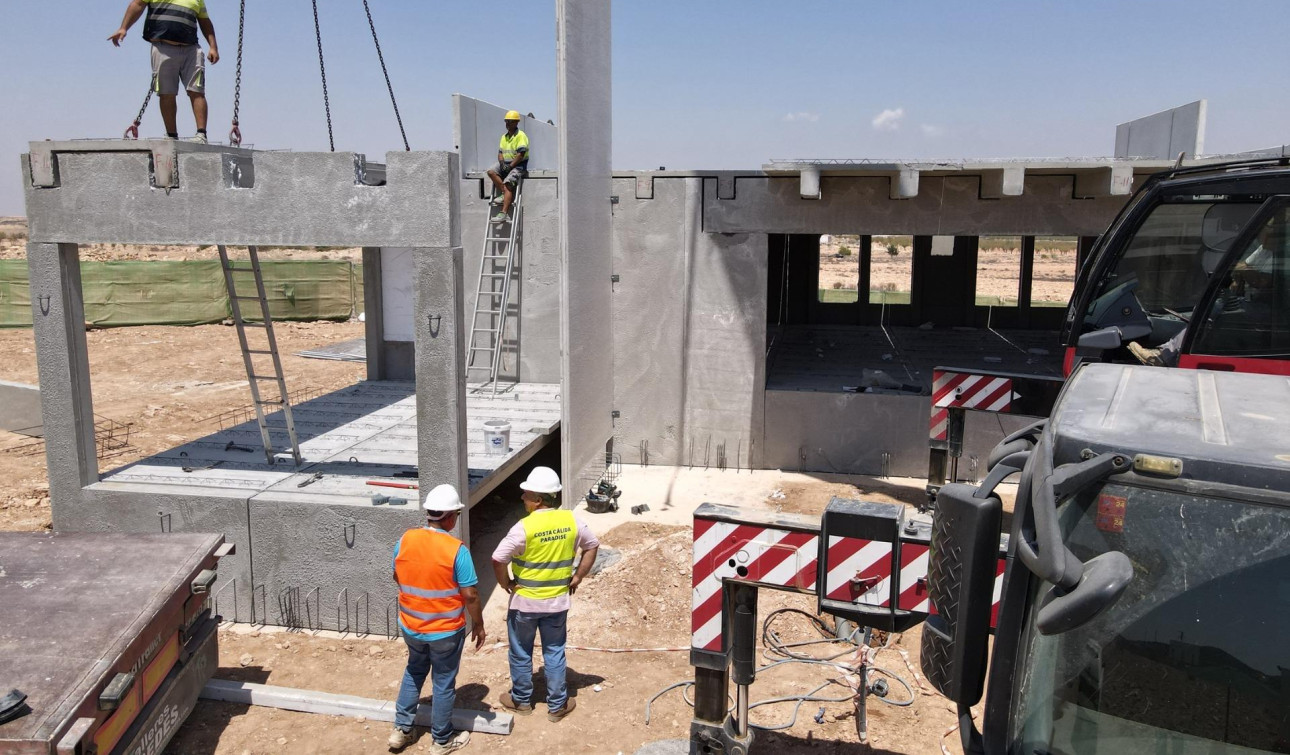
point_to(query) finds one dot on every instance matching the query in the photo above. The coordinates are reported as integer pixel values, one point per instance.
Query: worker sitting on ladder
(172, 27)
(512, 163)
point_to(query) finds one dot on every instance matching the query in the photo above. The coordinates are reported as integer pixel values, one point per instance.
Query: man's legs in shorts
(193, 75)
(165, 74)
(511, 181)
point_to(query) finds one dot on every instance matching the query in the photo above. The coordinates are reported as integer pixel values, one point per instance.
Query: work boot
(400, 739)
(458, 741)
(559, 715)
(199, 139)
(519, 709)
(1149, 357)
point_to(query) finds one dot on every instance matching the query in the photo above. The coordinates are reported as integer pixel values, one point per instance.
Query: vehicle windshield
(1175, 250)
(1193, 658)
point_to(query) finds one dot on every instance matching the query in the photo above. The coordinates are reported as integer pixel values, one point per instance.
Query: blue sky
(697, 83)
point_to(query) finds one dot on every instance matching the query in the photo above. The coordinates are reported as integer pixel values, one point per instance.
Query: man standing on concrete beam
(512, 163)
(540, 549)
(436, 579)
(172, 27)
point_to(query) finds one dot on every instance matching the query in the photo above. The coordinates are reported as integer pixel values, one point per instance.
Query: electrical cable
(774, 646)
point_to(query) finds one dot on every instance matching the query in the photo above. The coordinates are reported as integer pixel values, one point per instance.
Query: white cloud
(931, 131)
(802, 117)
(889, 119)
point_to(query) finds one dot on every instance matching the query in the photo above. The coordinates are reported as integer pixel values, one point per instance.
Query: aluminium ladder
(492, 297)
(270, 350)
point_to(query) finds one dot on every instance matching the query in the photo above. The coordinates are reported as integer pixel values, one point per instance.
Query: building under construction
(670, 317)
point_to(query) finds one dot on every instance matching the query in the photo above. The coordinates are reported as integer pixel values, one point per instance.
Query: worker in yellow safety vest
(541, 551)
(436, 579)
(512, 163)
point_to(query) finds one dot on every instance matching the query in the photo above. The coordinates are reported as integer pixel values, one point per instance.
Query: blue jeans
(440, 659)
(522, 627)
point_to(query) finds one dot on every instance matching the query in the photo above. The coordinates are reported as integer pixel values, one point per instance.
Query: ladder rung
(270, 403)
(481, 348)
(265, 377)
(247, 298)
(488, 312)
(498, 238)
(252, 324)
(490, 293)
(494, 275)
(496, 256)
(486, 330)
(258, 351)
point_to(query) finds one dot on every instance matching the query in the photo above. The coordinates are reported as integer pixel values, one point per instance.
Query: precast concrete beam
(1005, 182)
(904, 183)
(810, 180)
(242, 198)
(1113, 181)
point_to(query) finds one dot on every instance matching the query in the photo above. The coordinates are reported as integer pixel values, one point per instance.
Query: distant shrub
(837, 285)
(844, 251)
(893, 250)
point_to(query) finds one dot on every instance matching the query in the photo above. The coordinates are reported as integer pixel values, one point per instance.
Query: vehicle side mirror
(1103, 582)
(1105, 339)
(960, 584)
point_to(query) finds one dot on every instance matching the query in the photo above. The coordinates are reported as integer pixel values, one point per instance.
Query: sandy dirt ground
(998, 269)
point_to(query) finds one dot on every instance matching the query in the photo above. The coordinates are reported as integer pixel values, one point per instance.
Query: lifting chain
(322, 67)
(235, 135)
(385, 71)
(132, 132)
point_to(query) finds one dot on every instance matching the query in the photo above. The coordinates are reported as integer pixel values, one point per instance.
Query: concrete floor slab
(365, 432)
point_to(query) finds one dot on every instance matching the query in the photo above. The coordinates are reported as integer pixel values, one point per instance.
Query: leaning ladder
(492, 297)
(248, 354)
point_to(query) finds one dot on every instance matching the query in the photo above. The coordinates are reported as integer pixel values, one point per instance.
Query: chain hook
(132, 131)
(235, 136)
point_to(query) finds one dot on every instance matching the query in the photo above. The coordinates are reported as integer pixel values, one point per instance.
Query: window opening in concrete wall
(839, 269)
(891, 270)
(1053, 280)
(998, 271)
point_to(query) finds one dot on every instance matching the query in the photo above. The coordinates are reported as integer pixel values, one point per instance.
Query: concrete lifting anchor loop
(44, 301)
(351, 534)
(433, 321)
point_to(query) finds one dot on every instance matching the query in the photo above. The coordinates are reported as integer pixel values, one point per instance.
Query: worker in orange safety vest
(436, 579)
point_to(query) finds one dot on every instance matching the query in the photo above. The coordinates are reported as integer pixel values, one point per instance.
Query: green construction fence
(192, 292)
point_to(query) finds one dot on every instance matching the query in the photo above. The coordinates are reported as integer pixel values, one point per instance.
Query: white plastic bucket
(497, 437)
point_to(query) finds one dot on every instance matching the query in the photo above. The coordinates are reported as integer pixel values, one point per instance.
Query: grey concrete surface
(20, 408)
(531, 344)
(944, 205)
(106, 507)
(298, 199)
(440, 373)
(847, 433)
(344, 551)
(63, 363)
(583, 87)
(1165, 134)
(478, 125)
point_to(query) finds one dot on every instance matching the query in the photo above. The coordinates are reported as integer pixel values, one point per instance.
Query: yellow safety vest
(545, 568)
(510, 146)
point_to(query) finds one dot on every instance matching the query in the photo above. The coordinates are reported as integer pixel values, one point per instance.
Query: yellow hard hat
(512, 115)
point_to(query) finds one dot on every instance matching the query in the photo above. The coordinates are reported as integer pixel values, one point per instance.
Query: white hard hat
(442, 499)
(542, 480)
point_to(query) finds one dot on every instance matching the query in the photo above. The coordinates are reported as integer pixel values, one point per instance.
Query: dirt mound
(635, 602)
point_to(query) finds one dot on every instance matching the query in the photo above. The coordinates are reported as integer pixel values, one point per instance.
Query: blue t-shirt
(463, 570)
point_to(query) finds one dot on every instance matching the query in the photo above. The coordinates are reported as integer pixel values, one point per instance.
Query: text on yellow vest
(545, 568)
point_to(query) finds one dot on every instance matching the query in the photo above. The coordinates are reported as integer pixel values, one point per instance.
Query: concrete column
(67, 409)
(374, 314)
(441, 337)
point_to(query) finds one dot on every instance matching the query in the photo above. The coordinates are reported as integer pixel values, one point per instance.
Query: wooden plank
(326, 703)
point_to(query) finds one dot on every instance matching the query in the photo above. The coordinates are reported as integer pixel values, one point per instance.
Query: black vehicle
(1146, 603)
(1197, 266)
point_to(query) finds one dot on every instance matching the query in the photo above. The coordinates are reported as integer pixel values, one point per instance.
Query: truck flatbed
(84, 613)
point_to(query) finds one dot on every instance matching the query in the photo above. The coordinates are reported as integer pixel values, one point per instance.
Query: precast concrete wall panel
(652, 251)
(398, 293)
(297, 199)
(121, 507)
(344, 551)
(1165, 134)
(847, 433)
(533, 316)
(479, 126)
(583, 65)
(946, 206)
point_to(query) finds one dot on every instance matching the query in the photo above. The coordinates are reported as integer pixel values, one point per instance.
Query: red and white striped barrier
(961, 390)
